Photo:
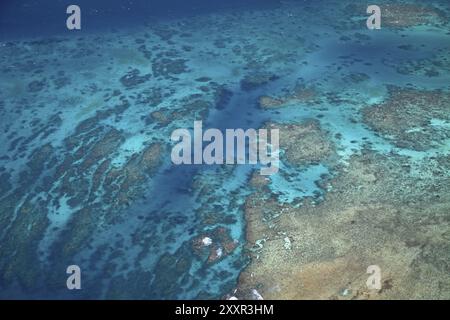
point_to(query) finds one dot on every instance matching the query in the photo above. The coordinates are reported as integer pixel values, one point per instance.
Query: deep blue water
(47, 17)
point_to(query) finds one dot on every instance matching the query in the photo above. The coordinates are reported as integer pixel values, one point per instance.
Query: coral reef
(409, 15)
(167, 67)
(86, 177)
(304, 143)
(400, 15)
(219, 245)
(299, 95)
(255, 80)
(430, 67)
(411, 118)
(133, 78)
(376, 214)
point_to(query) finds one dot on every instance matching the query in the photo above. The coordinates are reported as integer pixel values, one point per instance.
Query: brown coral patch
(300, 94)
(374, 215)
(406, 117)
(305, 143)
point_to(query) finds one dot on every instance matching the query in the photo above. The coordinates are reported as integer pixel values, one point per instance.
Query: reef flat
(384, 210)
(364, 116)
